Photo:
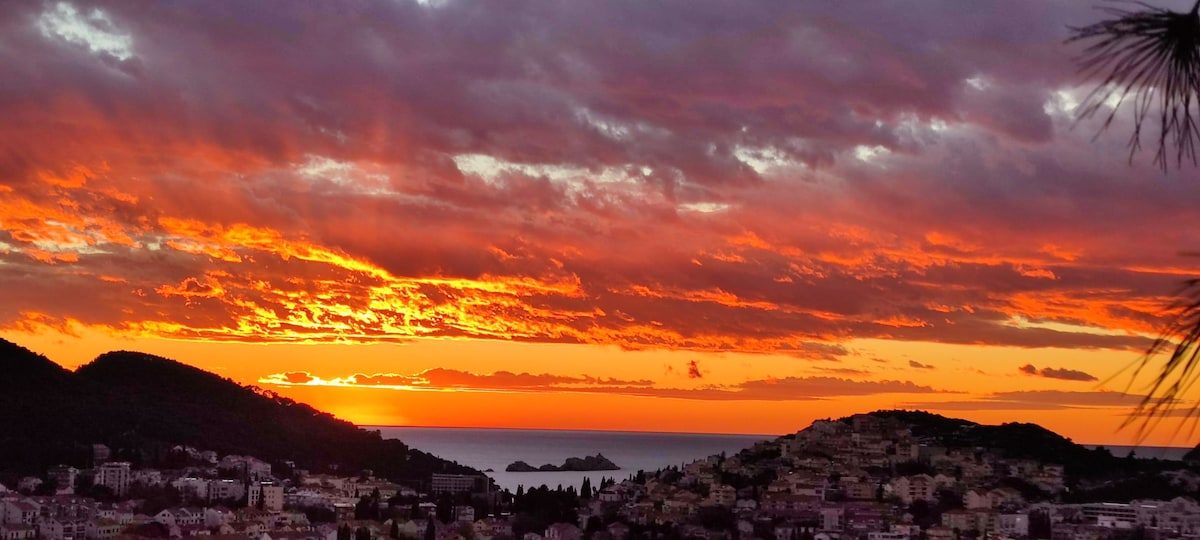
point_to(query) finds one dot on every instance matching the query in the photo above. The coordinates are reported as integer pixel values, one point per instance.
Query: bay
(496, 448)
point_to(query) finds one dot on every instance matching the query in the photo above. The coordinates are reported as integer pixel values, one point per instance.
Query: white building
(17, 532)
(1111, 515)
(225, 489)
(18, 512)
(115, 476)
(832, 518)
(265, 495)
(453, 483)
(918, 487)
(103, 529)
(61, 529)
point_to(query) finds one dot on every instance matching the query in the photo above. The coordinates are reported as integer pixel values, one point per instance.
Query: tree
(445, 508)
(718, 518)
(1039, 525)
(1150, 57)
(594, 525)
(318, 514)
(362, 509)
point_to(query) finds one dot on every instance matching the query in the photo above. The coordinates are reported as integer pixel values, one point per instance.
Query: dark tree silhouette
(1150, 57)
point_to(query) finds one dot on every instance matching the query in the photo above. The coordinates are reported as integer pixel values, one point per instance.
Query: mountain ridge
(141, 405)
(1014, 440)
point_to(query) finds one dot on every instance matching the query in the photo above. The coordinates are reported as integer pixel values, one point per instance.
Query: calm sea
(495, 448)
(1147, 452)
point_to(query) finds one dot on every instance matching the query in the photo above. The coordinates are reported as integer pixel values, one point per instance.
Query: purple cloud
(1058, 373)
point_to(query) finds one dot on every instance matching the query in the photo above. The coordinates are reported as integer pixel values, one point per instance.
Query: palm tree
(1149, 57)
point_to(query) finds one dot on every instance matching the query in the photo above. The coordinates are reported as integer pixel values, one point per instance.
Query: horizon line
(494, 428)
(649, 432)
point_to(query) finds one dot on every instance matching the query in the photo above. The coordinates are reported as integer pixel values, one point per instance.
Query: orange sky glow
(626, 218)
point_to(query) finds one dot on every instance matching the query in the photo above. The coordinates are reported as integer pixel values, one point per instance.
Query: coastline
(581, 430)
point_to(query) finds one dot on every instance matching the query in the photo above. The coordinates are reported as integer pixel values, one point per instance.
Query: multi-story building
(62, 529)
(1112, 515)
(832, 518)
(18, 532)
(103, 529)
(18, 512)
(265, 495)
(918, 487)
(115, 476)
(225, 489)
(454, 483)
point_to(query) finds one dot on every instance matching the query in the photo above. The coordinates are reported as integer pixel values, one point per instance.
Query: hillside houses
(867, 478)
(863, 479)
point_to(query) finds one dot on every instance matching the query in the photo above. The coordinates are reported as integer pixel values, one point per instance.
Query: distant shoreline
(1118, 449)
(1174, 453)
(552, 430)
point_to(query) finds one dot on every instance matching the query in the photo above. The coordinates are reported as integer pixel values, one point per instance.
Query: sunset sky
(700, 216)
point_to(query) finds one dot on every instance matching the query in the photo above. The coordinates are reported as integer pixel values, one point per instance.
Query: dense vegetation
(141, 405)
(1092, 474)
(1023, 441)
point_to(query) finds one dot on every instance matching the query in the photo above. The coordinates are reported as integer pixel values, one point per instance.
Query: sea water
(496, 448)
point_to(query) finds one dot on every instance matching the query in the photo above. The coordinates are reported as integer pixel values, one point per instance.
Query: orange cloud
(733, 211)
(1034, 400)
(771, 389)
(450, 379)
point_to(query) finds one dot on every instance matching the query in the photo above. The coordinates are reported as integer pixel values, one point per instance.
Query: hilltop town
(882, 476)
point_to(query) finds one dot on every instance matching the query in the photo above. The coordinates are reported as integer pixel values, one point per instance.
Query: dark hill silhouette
(141, 405)
(1012, 440)
(37, 403)
(22, 366)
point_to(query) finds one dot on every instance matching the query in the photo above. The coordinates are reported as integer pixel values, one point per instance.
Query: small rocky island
(589, 463)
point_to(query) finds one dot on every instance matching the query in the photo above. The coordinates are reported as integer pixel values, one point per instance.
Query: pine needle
(1150, 58)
